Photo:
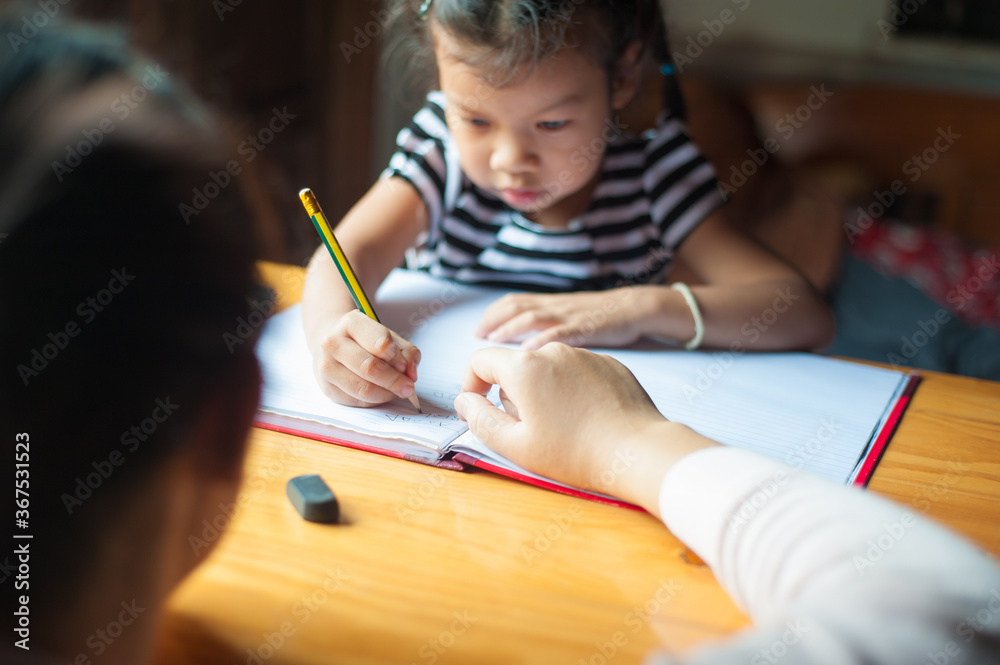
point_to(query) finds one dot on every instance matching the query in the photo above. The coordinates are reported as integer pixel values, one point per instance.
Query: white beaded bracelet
(699, 324)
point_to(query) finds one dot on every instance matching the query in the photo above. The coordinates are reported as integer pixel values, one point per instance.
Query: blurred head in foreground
(117, 392)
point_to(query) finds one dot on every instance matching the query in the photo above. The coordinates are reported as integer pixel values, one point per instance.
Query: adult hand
(576, 417)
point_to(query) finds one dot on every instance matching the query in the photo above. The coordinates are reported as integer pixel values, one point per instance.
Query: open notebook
(827, 416)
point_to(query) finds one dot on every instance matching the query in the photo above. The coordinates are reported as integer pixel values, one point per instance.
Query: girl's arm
(750, 297)
(357, 361)
(750, 300)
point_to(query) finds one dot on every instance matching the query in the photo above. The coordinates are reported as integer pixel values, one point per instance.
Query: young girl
(515, 174)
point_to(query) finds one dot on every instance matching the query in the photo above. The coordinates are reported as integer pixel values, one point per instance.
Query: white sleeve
(829, 574)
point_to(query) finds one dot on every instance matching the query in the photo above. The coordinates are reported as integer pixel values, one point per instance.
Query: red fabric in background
(962, 279)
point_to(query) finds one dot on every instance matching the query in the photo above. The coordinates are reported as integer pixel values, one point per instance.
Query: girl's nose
(512, 155)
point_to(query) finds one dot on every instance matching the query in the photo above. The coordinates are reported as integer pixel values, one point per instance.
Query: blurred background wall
(899, 71)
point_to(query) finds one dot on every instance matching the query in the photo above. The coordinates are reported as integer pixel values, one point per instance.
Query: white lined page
(805, 410)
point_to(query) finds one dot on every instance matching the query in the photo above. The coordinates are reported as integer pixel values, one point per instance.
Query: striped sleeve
(679, 181)
(425, 158)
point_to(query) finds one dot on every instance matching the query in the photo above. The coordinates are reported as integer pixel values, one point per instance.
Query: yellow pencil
(343, 265)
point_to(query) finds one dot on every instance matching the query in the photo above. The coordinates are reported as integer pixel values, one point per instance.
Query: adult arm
(828, 574)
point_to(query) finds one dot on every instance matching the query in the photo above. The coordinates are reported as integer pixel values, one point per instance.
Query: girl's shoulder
(669, 143)
(668, 127)
(436, 100)
(432, 110)
(428, 123)
(668, 133)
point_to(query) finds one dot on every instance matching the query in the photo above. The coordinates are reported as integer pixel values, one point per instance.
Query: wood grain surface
(433, 566)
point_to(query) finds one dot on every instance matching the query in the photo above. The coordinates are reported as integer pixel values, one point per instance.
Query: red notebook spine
(891, 423)
(482, 464)
(450, 464)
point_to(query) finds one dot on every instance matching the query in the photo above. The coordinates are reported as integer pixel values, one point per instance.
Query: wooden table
(435, 566)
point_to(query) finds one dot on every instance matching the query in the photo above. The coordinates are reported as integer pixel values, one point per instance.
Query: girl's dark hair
(510, 37)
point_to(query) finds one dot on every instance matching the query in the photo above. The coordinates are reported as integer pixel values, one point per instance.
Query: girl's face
(538, 142)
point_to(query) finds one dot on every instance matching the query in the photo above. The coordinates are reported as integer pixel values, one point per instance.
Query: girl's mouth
(520, 196)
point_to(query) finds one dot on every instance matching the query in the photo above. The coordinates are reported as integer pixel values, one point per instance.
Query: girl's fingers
(365, 378)
(556, 333)
(504, 309)
(364, 363)
(520, 326)
(374, 338)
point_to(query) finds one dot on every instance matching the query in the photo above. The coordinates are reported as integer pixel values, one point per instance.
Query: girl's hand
(360, 362)
(575, 416)
(591, 318)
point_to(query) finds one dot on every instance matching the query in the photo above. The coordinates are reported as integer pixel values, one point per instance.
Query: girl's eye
(552, 125)
(477, 122)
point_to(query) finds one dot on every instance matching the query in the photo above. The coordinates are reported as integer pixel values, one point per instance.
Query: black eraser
(313, 499)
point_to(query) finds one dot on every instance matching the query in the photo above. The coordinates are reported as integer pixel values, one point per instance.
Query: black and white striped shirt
(652, 192)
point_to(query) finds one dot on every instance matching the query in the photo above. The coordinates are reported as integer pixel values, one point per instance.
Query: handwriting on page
(433, 410)
(424, 419)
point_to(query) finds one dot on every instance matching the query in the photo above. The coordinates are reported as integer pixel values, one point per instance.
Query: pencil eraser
(313, 499)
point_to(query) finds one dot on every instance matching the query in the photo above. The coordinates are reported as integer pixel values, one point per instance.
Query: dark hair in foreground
(509, 37)
(112, 309)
